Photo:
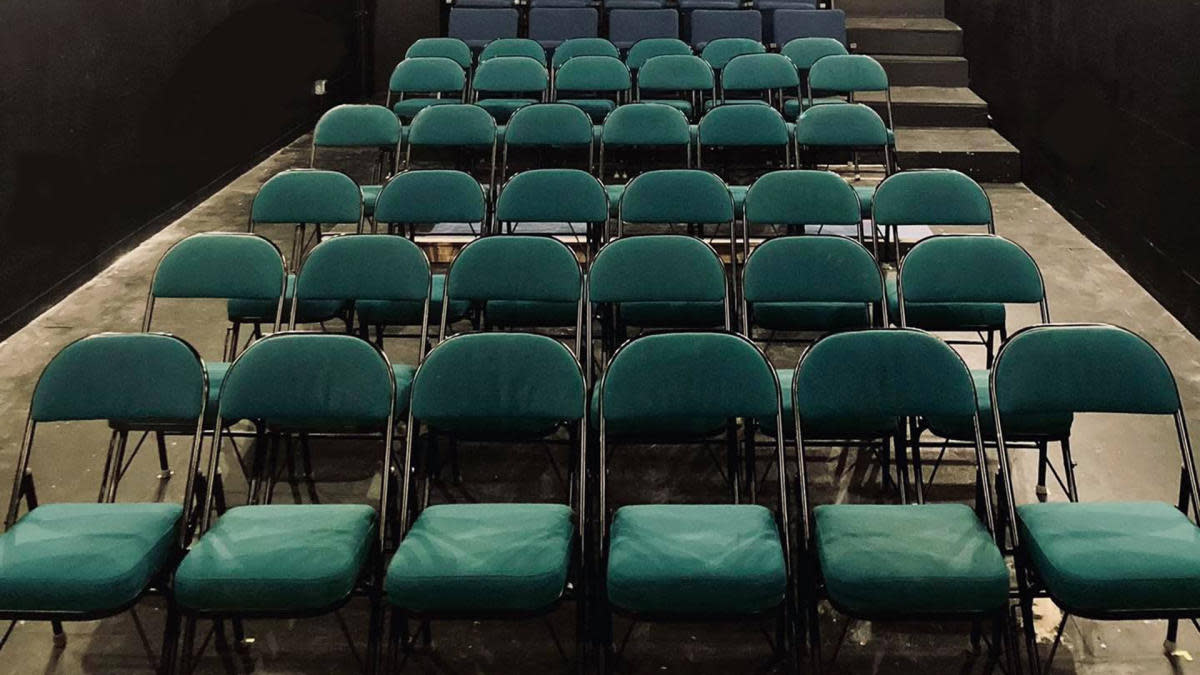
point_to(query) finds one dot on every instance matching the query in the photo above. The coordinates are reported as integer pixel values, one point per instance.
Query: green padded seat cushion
(1051, 425)
(791, 107)
(216, 377)
(710, 104)
(820, 317)
(614, 197)
(887, 560)
(739, 198)
(409, 107)
(404, 374)
(403, 313)
(526, 313)
(277, 558)
(88, 558)
(853, 427)
(673, 314)
(679, 104)
(370, 195)
(502, 108)
(689, 559)
(483, 558)
(866, 198)
(693, 427)
(1106, 556)
(945, 316)
(596, 108)
(263, 311)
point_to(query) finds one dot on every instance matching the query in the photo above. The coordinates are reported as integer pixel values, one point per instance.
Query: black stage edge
(1101, 98)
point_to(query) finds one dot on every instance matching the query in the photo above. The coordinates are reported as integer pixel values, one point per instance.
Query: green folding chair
(417, 83)
(443, 47)
(647, 131)
(803, 53)
(289, 561)
(645, 49)
(506, 47)
(939, 198)
(758, 78)
(688, 197)
(594, 84)
(583, 46)
(682, 81)
(361, 127)
(736, 136)
(838, 129)
(844, 75)
(497, 560)
(518, 281)
(580, 198)
(220, 266)
(978, 269)
(546, 130)
(382, 278)
(504, 84)
(692, 562)
(1104, 561)
(88, 561)
(801, 201)
(897, 562)
(304, 197)
(721, 51)
(465, 131)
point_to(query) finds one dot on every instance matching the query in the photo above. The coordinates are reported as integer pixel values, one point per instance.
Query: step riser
(993, 167)
(919, 115)
(910, 42)
(899, 8)
(938, 73)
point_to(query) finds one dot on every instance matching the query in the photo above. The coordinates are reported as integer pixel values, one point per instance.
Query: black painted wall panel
(1103, 99)
(111, 111)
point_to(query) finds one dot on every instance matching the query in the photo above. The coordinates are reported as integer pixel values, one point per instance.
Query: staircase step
(930, 106)
(928, 71)
(911, 36)
(980, 153)
(892, 7)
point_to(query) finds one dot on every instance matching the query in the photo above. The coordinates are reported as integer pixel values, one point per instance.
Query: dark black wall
(112, 111)
(398, 24)
(1103, 100)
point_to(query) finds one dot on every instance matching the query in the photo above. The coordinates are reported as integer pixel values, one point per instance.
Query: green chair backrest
(309, 380)
(840, 125)
(721, 51)
(430, 197)
(1081, 369)
(308, 196)
(677, 196)
(645, 124)
(812, 268)
(504, 47)
(138, 377)
(582, 46)
(221, 265)
(429, 74)
(676, 72)
(357, 126)
(743, 125)
(805, 51)
(644, 50)
(759, 72)
(671, 375)
(931, 197)
(453, 125)
(592, 73)
(969, 268)
(578, 197)
(517, 268)
(444, 47)
(657, 268)
(881, 373)
(548, 124)
(802, 197)
(498, 380)
(847, 73)
(510, 75)
(364, 267)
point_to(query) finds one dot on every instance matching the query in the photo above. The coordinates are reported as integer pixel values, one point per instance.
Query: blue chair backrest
(627, 26)
(551, 25)
(477, 27)
(711, 24)
(789, 24)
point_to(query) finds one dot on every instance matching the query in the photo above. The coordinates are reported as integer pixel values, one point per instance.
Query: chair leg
(189, 644)
(60, 638)
(163, 465)
(1041, 474)
(373, 655)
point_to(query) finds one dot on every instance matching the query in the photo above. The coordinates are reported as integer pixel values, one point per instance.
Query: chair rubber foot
(164, 475)
(1168, 647)
(1041, 492)
(60, 640)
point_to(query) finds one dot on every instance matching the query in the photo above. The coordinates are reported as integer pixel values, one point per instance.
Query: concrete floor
(1117, 459)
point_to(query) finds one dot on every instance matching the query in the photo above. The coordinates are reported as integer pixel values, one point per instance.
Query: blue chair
(478, 26)
(789, 24)
(627, 26)
(712, 24)
(550, 26)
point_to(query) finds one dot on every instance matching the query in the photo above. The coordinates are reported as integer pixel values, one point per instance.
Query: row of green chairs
(590, 75)
(653, 562)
